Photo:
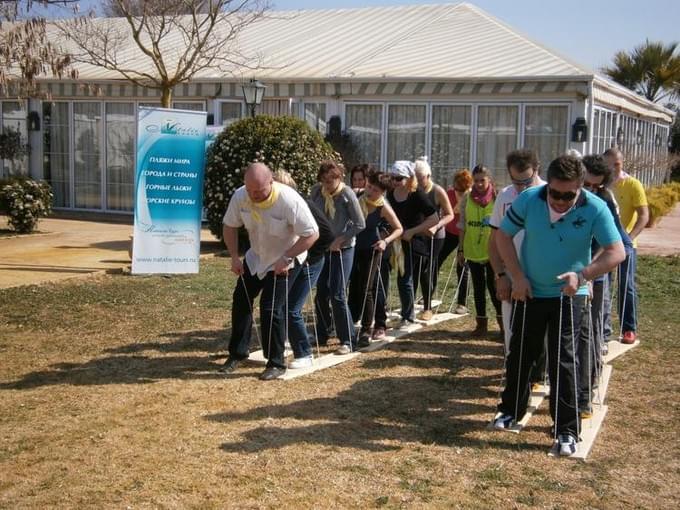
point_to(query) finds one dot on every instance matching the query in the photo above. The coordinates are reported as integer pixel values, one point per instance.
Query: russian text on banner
(168, 190)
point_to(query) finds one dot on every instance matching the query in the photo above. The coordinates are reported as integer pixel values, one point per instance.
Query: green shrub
(661, 200)
(282, 143)
(25, 201)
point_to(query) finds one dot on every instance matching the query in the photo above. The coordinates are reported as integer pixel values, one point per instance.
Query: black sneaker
(364, 340)
(229, 365)
(272, 373)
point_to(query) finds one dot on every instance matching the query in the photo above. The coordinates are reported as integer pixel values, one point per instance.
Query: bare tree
(113, 9)
(172, 41)
(25, 51)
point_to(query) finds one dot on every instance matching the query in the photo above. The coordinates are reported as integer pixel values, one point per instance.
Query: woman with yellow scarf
(341, 207)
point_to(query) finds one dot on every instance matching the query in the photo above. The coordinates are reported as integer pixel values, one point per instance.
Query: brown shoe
(482, 327)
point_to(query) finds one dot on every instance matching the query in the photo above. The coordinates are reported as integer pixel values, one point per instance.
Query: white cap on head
(573, 153)
(403, 168)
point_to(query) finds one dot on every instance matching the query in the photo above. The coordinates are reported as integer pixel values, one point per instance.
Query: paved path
(65, 248)
(72, 247)
(664, 238)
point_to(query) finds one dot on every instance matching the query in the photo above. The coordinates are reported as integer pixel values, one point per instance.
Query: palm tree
(651, 69)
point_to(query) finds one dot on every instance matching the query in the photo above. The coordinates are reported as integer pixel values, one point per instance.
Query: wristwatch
(500, 275)
(581, 279)
(287, 259)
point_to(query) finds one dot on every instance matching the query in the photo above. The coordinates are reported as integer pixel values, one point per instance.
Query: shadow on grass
(379, 414)
(136, 369)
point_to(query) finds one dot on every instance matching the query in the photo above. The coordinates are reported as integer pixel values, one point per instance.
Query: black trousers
(451, 243)
(542, 313)
(274, 291)
(427, 268)
(483, 279)
(365, 280)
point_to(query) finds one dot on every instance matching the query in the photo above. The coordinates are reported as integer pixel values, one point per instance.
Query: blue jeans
(627, 305)
(332, 298)
(298, 290)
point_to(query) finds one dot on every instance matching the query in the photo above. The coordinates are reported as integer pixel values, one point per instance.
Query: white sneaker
(343, 349)
(304, 362)
(567, 444)
(503, 421)
(461, 310)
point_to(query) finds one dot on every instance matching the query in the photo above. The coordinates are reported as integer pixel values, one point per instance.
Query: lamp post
(253, 92)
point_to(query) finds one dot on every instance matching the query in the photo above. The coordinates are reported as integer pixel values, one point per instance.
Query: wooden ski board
(589, 431)
(617, 348)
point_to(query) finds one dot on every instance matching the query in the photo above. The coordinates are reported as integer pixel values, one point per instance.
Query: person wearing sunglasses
(417, 215)
(592, 342)
(523, 168)
(549, 288)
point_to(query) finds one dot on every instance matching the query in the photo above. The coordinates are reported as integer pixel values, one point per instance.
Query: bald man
(281, 229)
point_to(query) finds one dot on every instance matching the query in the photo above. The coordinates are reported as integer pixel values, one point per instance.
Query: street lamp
(253, 92)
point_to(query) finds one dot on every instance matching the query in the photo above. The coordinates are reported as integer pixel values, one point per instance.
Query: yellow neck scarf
(265, 204)
(397, 257)
(329, 199)
(364, 202)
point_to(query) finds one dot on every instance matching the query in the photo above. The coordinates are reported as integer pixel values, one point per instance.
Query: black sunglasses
(592, 185)
(398, 178)
(523, 182)
(565, 196)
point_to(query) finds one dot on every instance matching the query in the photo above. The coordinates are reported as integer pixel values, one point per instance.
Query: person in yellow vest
(475, 232)
(634, 213)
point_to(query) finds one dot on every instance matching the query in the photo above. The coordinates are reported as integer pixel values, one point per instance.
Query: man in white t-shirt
(281, 229)
(523, 168)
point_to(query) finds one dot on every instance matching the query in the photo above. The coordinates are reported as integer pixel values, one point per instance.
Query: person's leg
(430, 272)
(341, 267)
(297, 296)
(356, 292)
(491, 287)
(463, 282)
(585, 347)
(527, 332)
(247, 288)
(450, 243)
(272, 314)
(628, 292)
(607, 307)
(405, 284)
(325, 325)
(371, 278)
(562, 328)
(506, 309)
(478, 287)
(383, 289)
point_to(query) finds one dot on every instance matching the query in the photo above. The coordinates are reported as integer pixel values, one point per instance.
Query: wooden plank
(589, 430)
(617, 348)
(325, 361)
(600, 393)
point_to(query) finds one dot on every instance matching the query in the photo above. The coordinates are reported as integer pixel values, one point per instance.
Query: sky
(588, 32)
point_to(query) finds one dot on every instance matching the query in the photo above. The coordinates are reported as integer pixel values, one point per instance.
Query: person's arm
(610, 257)
(503, 287)
(445, 209)
(641, 222)
(356, 221)
(230, 236)
(429, 222)
(388, 215)
(521, 288)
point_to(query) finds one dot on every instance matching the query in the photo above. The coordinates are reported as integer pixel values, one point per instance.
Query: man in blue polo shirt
(549, 288)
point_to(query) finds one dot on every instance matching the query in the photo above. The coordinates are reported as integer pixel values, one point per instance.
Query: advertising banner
(168, 190)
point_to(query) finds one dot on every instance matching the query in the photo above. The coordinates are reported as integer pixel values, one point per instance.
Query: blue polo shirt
(550, 249)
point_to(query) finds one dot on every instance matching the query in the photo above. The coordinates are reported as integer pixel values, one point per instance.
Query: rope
(252, 311)
(557, 383)
(521, 353)
(573, 350)
(442, 293)
(316, 334)
(344, 287)
(622, 311)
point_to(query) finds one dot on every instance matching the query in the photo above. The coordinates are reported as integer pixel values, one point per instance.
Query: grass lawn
(109, 398)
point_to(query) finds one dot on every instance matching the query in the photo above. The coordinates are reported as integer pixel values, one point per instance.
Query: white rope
(271, 319)
(460, 281)
(368, 283)
(625, 294)
(252, 311)
(430, 278)
(442, 292)
(350, 329)
(506, 350)
(378, 281)
(316, 333)
(557, 382)
(521, 353)
(573, 351)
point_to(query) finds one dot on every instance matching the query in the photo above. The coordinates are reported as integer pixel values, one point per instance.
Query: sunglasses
(565, 196)
(397, 178)
(523, 182)
(592, 185)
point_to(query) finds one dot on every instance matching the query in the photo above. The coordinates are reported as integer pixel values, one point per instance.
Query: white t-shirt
(503, 202)
(288, 219)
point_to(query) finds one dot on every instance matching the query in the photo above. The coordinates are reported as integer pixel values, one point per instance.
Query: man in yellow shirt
(634, 213)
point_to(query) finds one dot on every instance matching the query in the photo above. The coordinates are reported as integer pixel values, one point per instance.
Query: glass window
(56, 151)
(274, 107)
(451, 135)
(230, 113)
(193, 106)
(315, 116)
(14, 117)
(120, 156)
(497, 135)
(363, 122)
(87, 175)
(545, 131)
(406, 132)
(597, 135)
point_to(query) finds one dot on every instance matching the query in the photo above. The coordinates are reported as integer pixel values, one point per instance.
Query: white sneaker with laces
(304, 362)
(567, 444)
(503, 421)
(461, 310)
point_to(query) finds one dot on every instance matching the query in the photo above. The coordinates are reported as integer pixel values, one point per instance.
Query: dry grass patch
(109, 398)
